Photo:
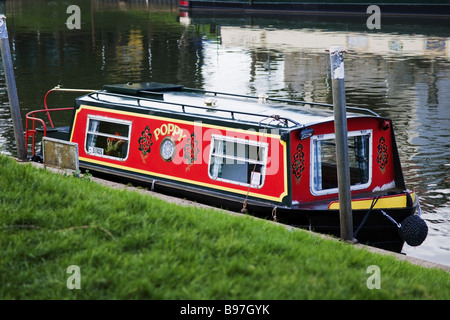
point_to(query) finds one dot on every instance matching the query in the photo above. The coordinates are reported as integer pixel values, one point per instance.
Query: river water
(401, 71)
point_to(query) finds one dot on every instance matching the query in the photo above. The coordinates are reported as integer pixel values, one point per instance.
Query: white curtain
(218, 161)
(362, 157)
(94, 126)
(317, 165)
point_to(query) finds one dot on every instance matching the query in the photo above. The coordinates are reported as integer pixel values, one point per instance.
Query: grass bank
(132, 246)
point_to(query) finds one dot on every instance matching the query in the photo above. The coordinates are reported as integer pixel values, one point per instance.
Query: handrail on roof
(184, 106)
(284, 100)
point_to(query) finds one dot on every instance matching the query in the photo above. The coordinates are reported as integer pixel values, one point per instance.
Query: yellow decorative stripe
(188, 181)
(397, 201)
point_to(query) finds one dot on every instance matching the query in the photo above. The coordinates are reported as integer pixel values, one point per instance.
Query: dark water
(401, 71)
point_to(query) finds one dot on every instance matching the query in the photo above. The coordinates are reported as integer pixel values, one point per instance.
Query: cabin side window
(324, 166)
(238, 161)
(108, 138)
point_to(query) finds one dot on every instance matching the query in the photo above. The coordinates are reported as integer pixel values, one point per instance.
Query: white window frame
(263, 162)
(110, 120)
(331, 136)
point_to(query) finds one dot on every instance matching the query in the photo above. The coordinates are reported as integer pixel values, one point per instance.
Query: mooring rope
(274, 214)
(374, 202)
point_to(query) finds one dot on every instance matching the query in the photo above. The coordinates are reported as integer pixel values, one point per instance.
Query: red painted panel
(190, 163)
(382, 158)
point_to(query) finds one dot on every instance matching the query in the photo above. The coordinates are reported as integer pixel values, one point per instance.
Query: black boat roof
(218, 105)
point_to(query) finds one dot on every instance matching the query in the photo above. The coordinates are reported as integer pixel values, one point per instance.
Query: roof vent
(262, 98)
(210, 102)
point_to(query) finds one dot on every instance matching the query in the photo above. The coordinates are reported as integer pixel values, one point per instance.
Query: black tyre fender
(413, 230)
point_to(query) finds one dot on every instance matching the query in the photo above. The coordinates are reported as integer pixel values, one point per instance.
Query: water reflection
(401, 72)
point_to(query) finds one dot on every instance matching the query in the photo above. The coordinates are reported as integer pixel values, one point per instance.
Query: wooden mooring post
(12, 91)
(340, 128)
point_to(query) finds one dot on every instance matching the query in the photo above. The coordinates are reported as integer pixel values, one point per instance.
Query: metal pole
(12, 91)
(340, 128)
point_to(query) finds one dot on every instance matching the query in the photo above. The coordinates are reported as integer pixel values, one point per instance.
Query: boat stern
(387, 220)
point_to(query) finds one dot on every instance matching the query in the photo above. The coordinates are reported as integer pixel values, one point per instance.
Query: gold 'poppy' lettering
(169, 129)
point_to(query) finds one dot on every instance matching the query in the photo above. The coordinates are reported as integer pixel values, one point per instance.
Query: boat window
(238, 161)
(107, 137)
(324, 166)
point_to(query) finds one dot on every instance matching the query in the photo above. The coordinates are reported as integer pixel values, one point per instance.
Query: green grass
(133, 246)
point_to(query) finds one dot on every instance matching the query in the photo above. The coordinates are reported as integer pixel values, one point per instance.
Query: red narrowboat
(270, 157)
